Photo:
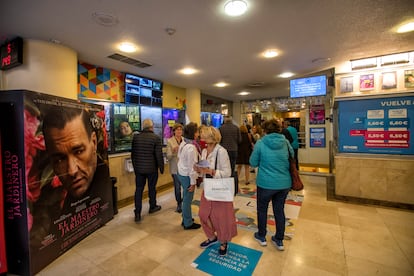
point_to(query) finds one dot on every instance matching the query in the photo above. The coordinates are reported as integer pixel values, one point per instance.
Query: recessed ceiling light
(243, 93)
(270, 53)
(286, 75)
(221, 84)
(408, 27)
(235, 7)
(127, 47)
(188, 71)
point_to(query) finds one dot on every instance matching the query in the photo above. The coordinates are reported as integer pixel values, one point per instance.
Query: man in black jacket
(230, 140)
(146, 155)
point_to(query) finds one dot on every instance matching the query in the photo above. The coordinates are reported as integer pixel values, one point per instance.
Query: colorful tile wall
(100, 83)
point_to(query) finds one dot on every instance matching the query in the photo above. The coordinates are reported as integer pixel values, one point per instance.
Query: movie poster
(3, 261)
(155, 114)
(126, 121)
(317, 114)
(55, 174)
(169, 118)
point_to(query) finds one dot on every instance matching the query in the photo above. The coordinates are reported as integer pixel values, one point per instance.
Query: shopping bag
(297, 184)
(219, 189)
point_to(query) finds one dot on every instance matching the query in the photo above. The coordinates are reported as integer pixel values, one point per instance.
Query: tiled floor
(331, 238)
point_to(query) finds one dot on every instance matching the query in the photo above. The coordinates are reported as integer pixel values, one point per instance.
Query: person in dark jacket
(146, 155)
(231, 138)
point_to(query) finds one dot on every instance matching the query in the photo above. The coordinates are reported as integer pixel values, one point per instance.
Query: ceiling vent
(130, 61)
(104, 19)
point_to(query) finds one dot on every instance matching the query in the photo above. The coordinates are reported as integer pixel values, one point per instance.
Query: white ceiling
(222, 48)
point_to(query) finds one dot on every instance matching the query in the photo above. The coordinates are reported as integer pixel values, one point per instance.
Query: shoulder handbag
(219, 189)
(297, 184)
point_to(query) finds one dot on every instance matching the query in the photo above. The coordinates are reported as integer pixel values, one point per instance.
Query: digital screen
(155, 114)
(140, 90)
(212, 119)
(11, 54)
(156, 85)
(308, 87)
(125, 121)
(169, 118)
(145, 92)
(145, 82)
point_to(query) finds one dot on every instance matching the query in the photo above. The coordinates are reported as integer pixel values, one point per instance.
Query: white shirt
(187, 157)
(223, 168)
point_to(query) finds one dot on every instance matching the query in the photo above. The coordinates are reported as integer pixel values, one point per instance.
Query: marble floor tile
(330, 238)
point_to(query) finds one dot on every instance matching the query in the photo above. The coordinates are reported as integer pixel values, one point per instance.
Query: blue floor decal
(239, 260)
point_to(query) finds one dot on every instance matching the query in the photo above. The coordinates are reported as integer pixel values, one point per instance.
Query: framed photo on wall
(347, 84)
(389, 80)
(366, 82)
(409, 78)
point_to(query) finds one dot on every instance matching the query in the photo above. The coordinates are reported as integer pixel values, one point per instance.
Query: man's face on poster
(73, 155)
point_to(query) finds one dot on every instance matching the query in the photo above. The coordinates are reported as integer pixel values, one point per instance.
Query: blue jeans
(177, 189)
(278, 198)
(187, 199)
(140, 180)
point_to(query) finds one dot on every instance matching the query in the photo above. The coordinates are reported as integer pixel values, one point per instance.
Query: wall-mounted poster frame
(317, 114)
(317, 137)
(409, 78)
(347, 84)
(389, 80)
(366, 82)
(378, 125)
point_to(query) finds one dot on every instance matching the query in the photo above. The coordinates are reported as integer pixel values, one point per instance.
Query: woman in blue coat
(270, 155)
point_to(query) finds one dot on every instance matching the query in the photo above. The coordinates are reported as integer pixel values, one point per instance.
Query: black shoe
(182, 223)
(223, 252)
(137, 218)
(155, 209)
(178, 210)
(208, 243)
(192, 226)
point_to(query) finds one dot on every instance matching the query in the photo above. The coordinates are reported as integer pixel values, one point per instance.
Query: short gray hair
(147, 123)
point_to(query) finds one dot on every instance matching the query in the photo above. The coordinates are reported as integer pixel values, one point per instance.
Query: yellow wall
(47, 67)
(171, 96)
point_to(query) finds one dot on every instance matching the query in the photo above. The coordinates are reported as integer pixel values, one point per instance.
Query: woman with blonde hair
(217, 217)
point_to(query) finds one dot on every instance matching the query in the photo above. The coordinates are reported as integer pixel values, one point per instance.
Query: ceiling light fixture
(243, 93)
(270, 53)
(286, 75)
(188, 71)
(127, 47)
(408, 27)
(221, 84)
(235, 7)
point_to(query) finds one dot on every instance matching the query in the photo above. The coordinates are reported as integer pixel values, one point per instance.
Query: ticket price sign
(377, 125)
(11, 54)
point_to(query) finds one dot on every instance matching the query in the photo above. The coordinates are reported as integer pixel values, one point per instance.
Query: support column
(193, 102)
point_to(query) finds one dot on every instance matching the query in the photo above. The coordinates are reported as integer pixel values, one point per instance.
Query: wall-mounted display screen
(169, 118)
(126, 121)
(155, 114)
(212, 119)
(308, 87)
(144, 91)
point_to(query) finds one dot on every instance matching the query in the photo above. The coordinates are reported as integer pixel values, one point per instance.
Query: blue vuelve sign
(380, 125)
